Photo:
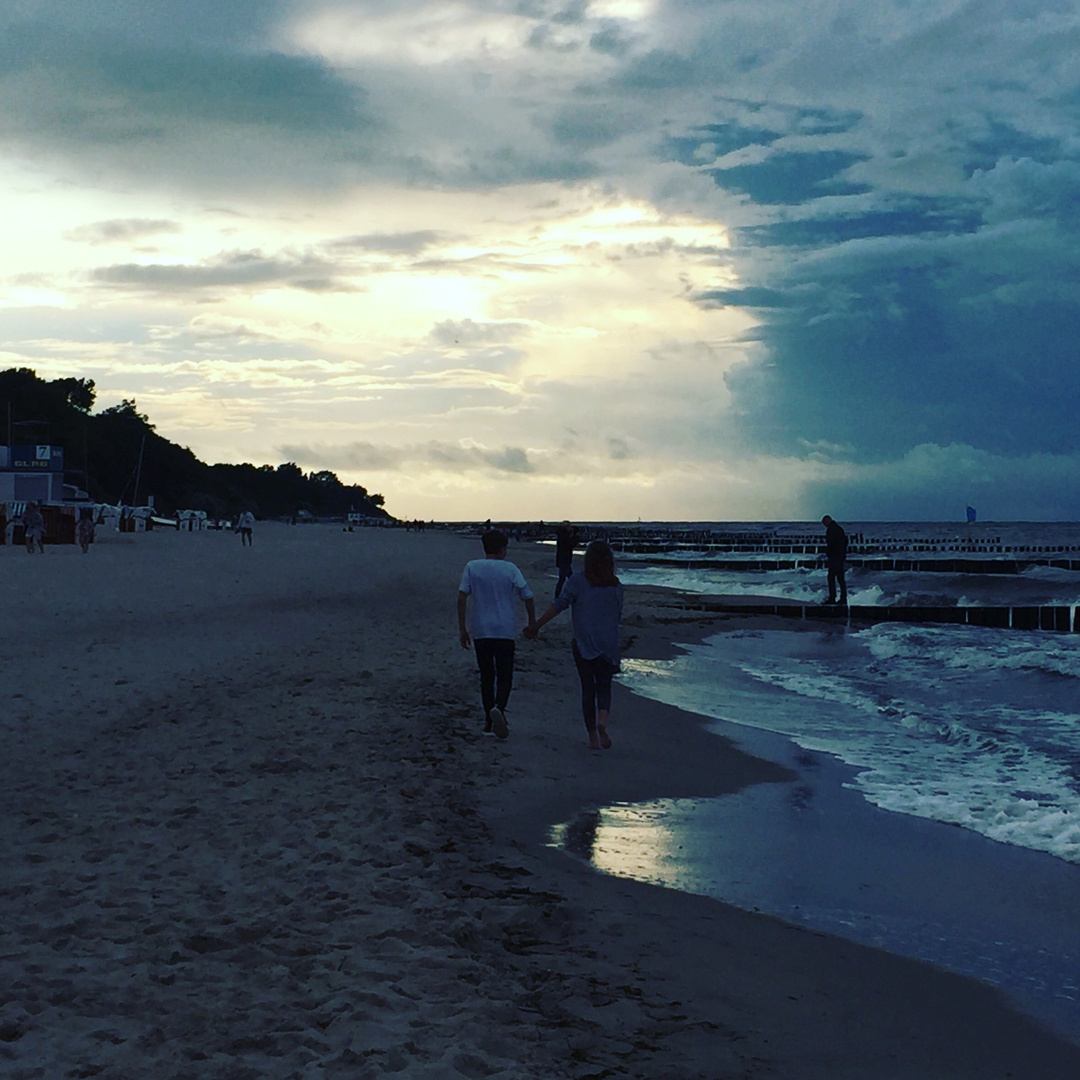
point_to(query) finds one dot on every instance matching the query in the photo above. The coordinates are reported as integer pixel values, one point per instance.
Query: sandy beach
(250, 828)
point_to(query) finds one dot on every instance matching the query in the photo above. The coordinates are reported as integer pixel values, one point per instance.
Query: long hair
(600, 564)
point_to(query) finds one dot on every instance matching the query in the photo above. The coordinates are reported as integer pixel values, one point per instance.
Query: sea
(936, 810)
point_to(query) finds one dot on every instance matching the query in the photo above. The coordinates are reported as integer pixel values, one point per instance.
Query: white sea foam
(966, 725)
(790, 586)
(974, 726)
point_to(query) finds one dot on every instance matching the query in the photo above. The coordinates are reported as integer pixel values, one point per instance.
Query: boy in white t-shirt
(495, 586)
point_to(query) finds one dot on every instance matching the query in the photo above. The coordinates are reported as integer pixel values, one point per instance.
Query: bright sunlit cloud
(425, 34)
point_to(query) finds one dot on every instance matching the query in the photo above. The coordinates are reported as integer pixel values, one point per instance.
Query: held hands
(532, 631)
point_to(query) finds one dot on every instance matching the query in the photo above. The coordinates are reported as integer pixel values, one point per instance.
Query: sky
(584, 259)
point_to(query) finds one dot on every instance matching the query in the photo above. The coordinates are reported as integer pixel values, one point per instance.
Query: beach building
(33, 473)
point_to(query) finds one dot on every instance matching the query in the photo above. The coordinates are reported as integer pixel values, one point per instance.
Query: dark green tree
(109, 452)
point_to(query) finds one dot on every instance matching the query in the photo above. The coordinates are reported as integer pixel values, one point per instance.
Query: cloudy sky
(595, 259)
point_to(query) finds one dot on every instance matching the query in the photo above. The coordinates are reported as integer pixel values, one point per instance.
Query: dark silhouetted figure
(84, 529)
(835, 558)
(244, 527)
(34, 527)
(564, 554)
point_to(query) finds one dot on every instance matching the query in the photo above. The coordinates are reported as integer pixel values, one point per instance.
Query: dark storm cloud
(923, 344)
(612, 40)
(96, 89)
(178, 109)
(707, 142)
(711, 141)
(936, 483)
(749, 297)
(912, 263)
(211, 21)
(790, 179)
(920, 216)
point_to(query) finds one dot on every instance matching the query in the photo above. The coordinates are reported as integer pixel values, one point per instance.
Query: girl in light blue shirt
(595, 600)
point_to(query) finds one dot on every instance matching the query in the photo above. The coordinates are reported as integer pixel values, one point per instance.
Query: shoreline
(937, 1039)
(253, 828)
(1005, 914)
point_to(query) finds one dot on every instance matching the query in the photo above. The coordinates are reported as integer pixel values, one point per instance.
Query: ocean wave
(920, 712)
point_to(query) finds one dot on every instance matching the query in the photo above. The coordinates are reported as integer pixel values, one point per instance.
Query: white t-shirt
(495, 586)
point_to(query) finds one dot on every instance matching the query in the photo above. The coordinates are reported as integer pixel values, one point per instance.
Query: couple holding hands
(595, 600)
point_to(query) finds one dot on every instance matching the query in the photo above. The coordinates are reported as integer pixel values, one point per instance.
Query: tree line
(117, 457)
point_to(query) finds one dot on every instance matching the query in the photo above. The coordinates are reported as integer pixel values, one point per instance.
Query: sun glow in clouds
(469, 338)
(431, 34)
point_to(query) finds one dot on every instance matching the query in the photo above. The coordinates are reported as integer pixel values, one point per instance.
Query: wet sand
(249, 828)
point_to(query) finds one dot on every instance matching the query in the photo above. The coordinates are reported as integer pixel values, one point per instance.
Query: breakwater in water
(1059, 618)
(901, 565)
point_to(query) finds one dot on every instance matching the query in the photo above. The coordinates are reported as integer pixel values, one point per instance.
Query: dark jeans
(595, 676)
(836, 577)
(495, 658)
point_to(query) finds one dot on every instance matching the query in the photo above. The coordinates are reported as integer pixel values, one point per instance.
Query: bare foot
(605, 739)
(594, 741)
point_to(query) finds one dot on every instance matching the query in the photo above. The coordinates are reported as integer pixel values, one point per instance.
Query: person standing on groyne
(835, 559)
(564, 554)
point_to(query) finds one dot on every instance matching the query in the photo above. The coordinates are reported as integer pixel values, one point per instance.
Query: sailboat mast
(138, 472)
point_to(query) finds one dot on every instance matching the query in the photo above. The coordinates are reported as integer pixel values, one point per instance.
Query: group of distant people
(33, 522)
(492, 587)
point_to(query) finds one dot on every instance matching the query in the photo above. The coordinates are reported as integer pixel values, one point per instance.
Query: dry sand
(250, 828)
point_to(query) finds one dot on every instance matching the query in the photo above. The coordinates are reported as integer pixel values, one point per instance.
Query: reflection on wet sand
(635, 841)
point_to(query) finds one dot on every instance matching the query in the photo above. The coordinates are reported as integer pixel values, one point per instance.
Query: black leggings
(595, 675)
(495, 658)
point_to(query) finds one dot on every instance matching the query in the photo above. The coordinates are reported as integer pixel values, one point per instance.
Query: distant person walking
(495, 586)
(595, 600)
(34, 528)
(244, 527)
(835, 560)
(564, 554)
(84, 530)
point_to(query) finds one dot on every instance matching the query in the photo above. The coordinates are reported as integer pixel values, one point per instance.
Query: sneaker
(498, 723)
(487, 729)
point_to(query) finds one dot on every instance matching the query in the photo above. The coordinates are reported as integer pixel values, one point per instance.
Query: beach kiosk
(35, 473)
